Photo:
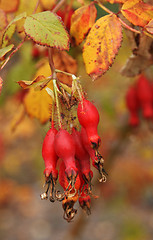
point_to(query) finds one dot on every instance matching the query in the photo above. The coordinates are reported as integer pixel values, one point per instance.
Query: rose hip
(88, 117)
(49, 154)
(65, 149)
(133, 106)
(83, 156)
(50, 160)
(97, 160)
(144, 93)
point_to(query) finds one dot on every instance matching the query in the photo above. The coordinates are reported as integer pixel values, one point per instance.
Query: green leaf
(46, 29)
(11, 29)
(5, 50)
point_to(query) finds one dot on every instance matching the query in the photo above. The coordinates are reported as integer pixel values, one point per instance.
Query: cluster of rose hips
(72, 151)
(140, 98)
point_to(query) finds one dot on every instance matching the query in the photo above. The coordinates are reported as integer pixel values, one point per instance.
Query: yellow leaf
(38, 103)
(47, 4)
(137, 12)
(102, 44)
(81, 22)
(9, 5)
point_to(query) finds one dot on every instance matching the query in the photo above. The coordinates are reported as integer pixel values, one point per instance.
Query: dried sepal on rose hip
(97, 159)
(70, 193)
(50, 160)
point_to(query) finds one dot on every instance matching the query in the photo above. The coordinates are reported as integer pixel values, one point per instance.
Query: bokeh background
(124, 209)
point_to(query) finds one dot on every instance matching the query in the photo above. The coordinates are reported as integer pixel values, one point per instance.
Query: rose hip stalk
(50, 160)
(97, 160)
(83, 157)
(88, 117)
(144, 93)
(133, 106)
(70, 194)
(65, 149)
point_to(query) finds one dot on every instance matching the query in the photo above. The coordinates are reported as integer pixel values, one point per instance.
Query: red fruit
(144, 93)
(65, 149)
(82, 155)
(133, 106)
(49, 154)
(64, 181)
(35, 52)
(89, 149)
(88, 117)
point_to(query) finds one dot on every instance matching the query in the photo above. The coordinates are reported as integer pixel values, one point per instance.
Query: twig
(58, 6)
(12, 53)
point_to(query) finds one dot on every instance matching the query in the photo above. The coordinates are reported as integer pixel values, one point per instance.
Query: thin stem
(12, 53)
(128, 27)
(104, 8)
(57, 102)
(66, 73)
(37, 4)
(51, 63)
(58, 6)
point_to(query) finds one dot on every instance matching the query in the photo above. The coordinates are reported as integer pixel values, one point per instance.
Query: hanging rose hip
(65, 149)
(88, 117)
(83, 157)
(145, 97)
(132, 104)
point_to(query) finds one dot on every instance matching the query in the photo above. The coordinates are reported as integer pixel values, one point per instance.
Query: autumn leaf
(3, 20)
(46, 29)
(116, 1)
(81, 22)
(38, 83)
(10, 30)
(5, 50)
(47, 4)
(137, 12)
(102, 44)
(64, 62)
(9, 5)
(38, 103)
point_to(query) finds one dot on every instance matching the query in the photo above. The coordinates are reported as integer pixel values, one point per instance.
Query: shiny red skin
(88, 117)
(144, 94)
(82, 155)
(133, 106)
(65, 149)
(49, 154)
(88, 147)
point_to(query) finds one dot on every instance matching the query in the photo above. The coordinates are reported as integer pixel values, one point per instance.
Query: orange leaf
(81, 22)
(9, 5)
(102, 45)
(116, 1)
(38, 103)
(3, 20)
(137, 12)
(38, 83)
(149, 27)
